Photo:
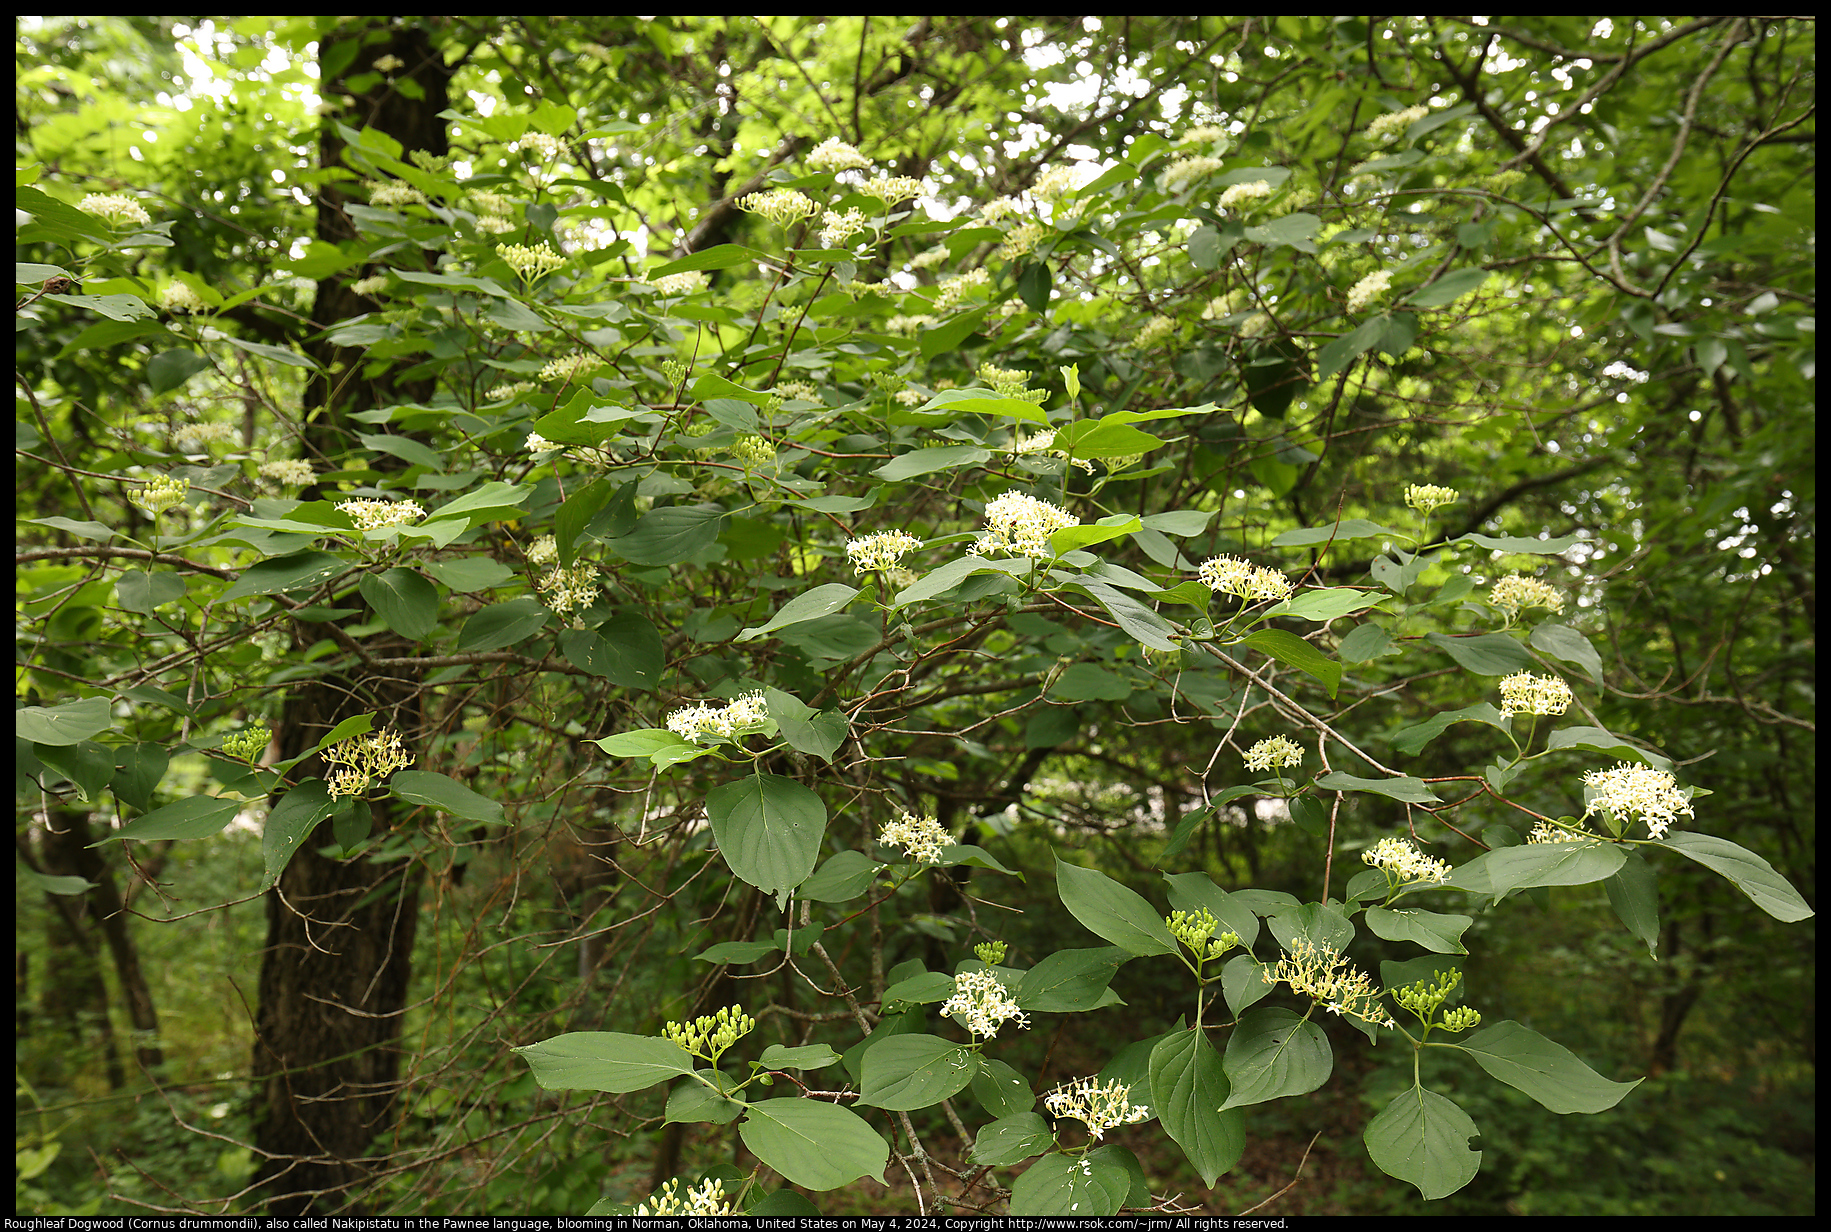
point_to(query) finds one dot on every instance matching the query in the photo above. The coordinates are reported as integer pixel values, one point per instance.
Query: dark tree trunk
(338, 960)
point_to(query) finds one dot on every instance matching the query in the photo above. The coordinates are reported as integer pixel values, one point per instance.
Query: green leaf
(407, 602)
(87, 765)
(1348, 528)
(142, 592)
(806, 1057)
(669, 535)
(444, 793)
(1547, 1071)
(408, 450)
(82, 530)
(1189, 1090)
(1111, 911)
(1295, 230)
(844, 876)
(1135, 618)
(1070, 1186)
(736, 952)
(604, 1061)
(1745, 870)
(948, 336)
(908, 1072)
(626, 650)
(1012, 1139)
(815, 1145)
(1069, 981)
(1343, 350)
(927, 461)
(1001, 1090)
(502, 624)
(138, 770)
(1273, 1053)
(173, 368)
(719, 256)
(47, 884)
(1634, 894)
(662, 747)
(281, 574)
(983, 402)
(1085, 682)
(1506, 869)
(1322, 606)
(495, 501)
(1423, 1138)
(768, 829)
(1033, 286)
(197, 817)
(693, 1102)
(1437, 932)
(1564, 642)
(64, 723)
(1293, 651)
(278, 354)
(820, 601)
(1607, 742)
(290, 823)
(816, 733)
(1410, 790)
(1412, 740)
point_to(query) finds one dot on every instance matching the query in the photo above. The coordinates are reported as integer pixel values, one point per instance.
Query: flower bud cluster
(116, 208)
(1554, 832)
(1187, 170)
(981, 1004)
(709, 1035)
(1236, 194)
(1524, 693)
(782, 206)
(364, 760)
(394, 192)
(1368, 289)
(248, 743)
(531, 262)
(567, 366)
(707, 1199)
(1020, 525)
(178, 297)
(708, 724)
(1233, 576)
(1425, 497)
(1196, 930)
(1313, 971)
(835, 155)
(991, 953)
(1423, 998)
(1273, 753)
(1099, 1106)
(684, 283)
(836, 228)
(753, 452)
(892, 189)
(1399, 858)
(921, 838)
(1630, 792)
(1384, 128)
(161, 494)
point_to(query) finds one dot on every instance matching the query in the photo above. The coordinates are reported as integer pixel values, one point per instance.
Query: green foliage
(790, 592)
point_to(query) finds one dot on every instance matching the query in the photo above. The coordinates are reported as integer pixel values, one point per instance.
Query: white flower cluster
(510, 391)
(1524, 693)
(490, 202)
(1397, 855)
(1021, 241)
(180, 298)
(1384, 128)
(921, 838)
(1187, 170)
(1324, 974)
(195, 438)
(567, 366)
(1551, 832)
(1238, 193)
(953, 290)
(1367, 289)
(1099, 1106)
(1630, 791)
(892, 188)
(1055, 182)
(1512, 593)
(837, 228)
(567, 589)
(287, 472)
(1233, 576)
(708, 1199)
(708, 724)
(1425, 497)
(686, 282)
(161, 494)
(981, 1004)
(388, 63)
(835, 155)
(1206, 134)
(394, 192)
(1155, 330)
(374, 284)
(1021, 525)
(362, 760)
(1000, 208)
(543, 551)
(781, 206)
(1273, 753)
(884, 550)
(1044, 443)
(531, 262)
(117, 208)
(381, 514)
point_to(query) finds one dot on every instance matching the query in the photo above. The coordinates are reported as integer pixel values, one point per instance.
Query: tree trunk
(338, 960)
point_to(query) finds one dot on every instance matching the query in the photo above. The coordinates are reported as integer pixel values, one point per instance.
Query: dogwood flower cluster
(287, 472)
(837, 228)
(531, 262)
(1524, 693)
(1054, 182)
(543, 551)
(1425, 497)
(782, 206)
(180, 298)
(161, 494)
(884, 550)
(1368, 289)
(510, 391)
(1384, 128)
(1237, 194)
(567, 366)
(381, 514)
(248, 743)
(1044, 443)
(1021, 525)
(981, 1004)
(364, 760)
(116, 208)
(1187, 170)
(892, 188)
(1512, 593)
(835, 155)
(708, 1199)
(1099, 1106)
(1231, 575)
(921, 838)
(394, 192)
(197, 437)
(708, 724)
(373, 285)
(1020, 241)
(1325, 975)
(1273, 753)
(1637, 792)
(684, 283)
(1423, 998)
(1398, 857)
(1196, 930)
(569, 588)
(753, 452)
(710, 1034)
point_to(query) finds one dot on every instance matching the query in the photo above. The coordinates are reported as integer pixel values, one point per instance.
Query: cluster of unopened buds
(161, 494)
(672, 1199)
(1423, 998)
(1196, 930)
(708, 1036)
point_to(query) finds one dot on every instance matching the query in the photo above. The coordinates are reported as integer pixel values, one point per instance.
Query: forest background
(1258, 276)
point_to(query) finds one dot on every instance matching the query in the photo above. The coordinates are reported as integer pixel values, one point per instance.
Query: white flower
(531, 262)
(1363, 292)
(1238, 193)
(884, 550)
(567, 366)
(375, 284)
(388, 63)
(837, 228)
(684, 283)
(1386, 127)
(569, 588)
(1204, 135)
(892, 189)
(1524, 693)
(1021, 240)
(1055, 182)
(1098, 1106)
(781, 206)
(1324, 974)
(1513, 592)
(381, 514)
(1231, 575)
(954, 289)
(490, 202)
(1154, 331)
(1273, 752)
(1000, 208)
(1021, 525)
(117, 208)
(195, 438)
(362, 760)
(178, 297)
(509, 392)
(708, 1199)
(1185, 170)
(1397, 855)
(1629, 791)
(394, 192)
(921, 838)
(981, 1004)
(543, 551)
(708, 723)
(288, 472)
(835, 155)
